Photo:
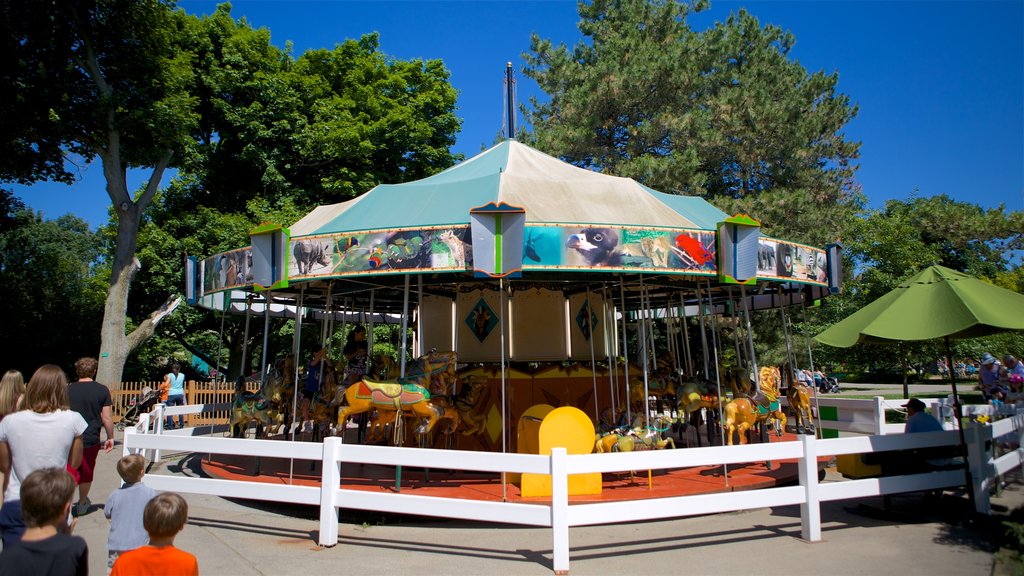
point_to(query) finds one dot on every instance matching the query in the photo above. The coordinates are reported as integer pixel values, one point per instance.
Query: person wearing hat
(988, 378)
(1013, 366)
(918, 420)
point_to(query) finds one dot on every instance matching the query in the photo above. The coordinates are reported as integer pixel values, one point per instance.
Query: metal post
(593, 359)
(642, 321)
(504, 413)
(750, 339)
(405, 324)
(625, 346)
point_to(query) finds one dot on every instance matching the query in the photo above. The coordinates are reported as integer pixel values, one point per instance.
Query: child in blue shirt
(125, 508)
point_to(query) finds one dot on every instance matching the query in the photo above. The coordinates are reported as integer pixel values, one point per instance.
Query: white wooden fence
(559, 515)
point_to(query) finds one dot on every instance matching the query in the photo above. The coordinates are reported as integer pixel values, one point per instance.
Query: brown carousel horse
(263, 407)
(467, 403)
(742, 413)
(321, 407)
(799, 396)
(410, 395)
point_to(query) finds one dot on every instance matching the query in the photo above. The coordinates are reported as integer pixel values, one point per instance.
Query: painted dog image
(597, 246)
(309, 253)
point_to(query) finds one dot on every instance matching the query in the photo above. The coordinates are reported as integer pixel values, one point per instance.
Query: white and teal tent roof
(511, 210)
(549, 190)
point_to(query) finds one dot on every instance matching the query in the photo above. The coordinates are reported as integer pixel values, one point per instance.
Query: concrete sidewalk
(245, 537)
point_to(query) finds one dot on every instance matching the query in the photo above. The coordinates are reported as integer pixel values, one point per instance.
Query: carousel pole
(625, 346)
(405, 324)
(504, 421)
(810, 360)
(736, 329)
(706, 369)
(593, 358)
(750, 339)
(245, 336)
(718, 385)
(295, 350)
(643, 350)
(608, 350)
(418, 334)
(686, 335)
(790, 358)
(364, 417)
(266, 332)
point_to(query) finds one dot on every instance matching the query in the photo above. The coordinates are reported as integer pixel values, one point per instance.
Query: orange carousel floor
(488, 486)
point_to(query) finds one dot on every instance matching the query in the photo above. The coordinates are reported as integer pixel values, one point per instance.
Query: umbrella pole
(958, 414)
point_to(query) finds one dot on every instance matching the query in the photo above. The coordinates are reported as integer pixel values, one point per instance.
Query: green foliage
(724, 114)
(902, 239)
(82, 68)
(51, 293)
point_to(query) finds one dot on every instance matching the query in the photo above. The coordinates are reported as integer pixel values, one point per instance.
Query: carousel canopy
(548, 189)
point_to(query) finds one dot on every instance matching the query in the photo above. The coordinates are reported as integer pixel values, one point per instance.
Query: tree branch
(145, 330)
(154, 181)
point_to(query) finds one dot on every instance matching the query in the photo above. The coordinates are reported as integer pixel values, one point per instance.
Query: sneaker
(82, 508)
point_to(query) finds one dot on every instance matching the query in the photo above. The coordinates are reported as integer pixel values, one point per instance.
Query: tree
(51, 289)
(277, 136)
(724, 114)
(102, 79)
(903, 238)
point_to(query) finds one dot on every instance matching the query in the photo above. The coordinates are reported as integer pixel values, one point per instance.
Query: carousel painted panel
(781, 260)
(424, 249)
(562, 247)
(587, 327)
(227, 270)
(478, 320)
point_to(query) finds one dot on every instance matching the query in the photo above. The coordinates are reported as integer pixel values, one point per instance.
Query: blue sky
(940, 85)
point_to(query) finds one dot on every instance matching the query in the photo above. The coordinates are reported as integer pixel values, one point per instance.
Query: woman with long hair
(43, 434)
(12, 388)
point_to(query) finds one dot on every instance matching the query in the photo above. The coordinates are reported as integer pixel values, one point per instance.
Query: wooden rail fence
(196, 392)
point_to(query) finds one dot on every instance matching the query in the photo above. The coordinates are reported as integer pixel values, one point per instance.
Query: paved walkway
(244, 537)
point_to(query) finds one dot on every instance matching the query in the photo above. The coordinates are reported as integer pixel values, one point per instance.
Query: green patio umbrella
(935, 303)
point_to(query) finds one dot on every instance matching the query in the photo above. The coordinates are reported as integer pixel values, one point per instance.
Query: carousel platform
(488, 486)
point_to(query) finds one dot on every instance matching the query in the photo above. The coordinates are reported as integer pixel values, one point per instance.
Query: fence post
(979, 460)
(128, 433)
(158, 427)
(810, 508)
(330, 479)
(559, 511)
(879, 416)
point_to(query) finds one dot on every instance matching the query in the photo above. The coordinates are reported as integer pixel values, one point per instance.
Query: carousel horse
(799, 396)
(260, 407)
(635, 439)
(800, 401)
(468, 401)
(377, 428)
(321, 406)
(410, 395)
(742, 413)
(692, 398)
(383, 367)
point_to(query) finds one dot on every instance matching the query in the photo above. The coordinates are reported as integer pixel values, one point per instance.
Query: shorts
(11, 524)
(308, 394)
(111, 558)
(85, 470)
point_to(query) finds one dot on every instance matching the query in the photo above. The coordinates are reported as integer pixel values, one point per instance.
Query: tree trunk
(115, 345)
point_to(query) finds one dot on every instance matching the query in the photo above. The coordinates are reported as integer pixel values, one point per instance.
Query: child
(164, 517)
(125, 507)
(46, 547)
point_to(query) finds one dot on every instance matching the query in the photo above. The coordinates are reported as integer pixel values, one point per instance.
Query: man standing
(92, 400)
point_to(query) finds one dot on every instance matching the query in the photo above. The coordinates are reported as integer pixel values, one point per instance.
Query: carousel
(522, 284)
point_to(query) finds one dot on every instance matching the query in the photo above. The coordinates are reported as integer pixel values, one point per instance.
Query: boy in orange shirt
(164, 517)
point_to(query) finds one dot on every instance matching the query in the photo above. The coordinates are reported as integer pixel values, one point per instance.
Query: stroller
(142, 403)
(827, 384)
